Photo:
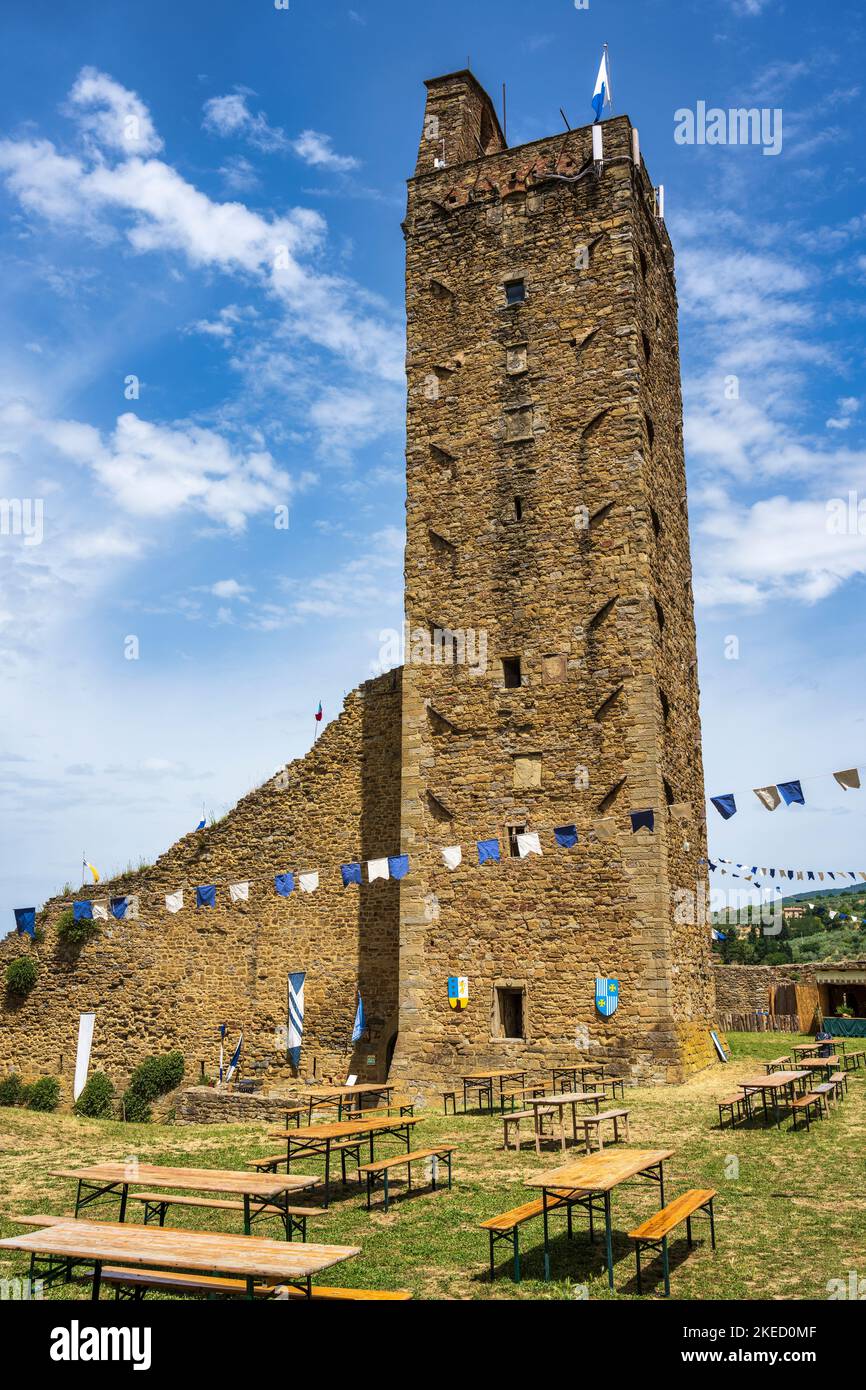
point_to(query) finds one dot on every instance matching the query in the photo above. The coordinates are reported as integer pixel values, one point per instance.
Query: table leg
(124, 1193)
(97, 1280)
(662, 1183)
(608, 1237)
(247, 1217)
(546, 1236)
(574, 1121)
(327, 1171)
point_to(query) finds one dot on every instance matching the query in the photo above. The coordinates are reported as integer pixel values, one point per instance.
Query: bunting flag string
(525, 844)
(756, 874)
(791, 793)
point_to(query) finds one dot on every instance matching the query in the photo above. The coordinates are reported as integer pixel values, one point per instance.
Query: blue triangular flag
(25, 920)
(398, 865)
(201, 824)
(725, 805)
(566, 835)
(284, 884)
(792, 793)
(83, 911)
(117, 907)
(205, 895)
(642, 820)
(360, 1021)
(488, 851)
(351, 874)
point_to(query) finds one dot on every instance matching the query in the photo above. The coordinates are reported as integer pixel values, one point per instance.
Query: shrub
(43, 1094)
(153, 1077)
(21, 975)
(10, 1089)
(95, 1100)
(73, 933)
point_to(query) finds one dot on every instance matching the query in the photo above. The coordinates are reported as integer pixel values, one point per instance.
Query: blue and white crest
(606, 996)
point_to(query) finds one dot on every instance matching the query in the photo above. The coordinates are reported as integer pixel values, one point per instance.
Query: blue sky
(147, 250)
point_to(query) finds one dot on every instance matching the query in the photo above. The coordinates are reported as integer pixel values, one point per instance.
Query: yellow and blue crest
(458, 991)
(606, 996)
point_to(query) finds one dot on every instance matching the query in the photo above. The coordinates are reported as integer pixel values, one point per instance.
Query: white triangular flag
(174, 901)
(100, 912)
(768, 796)
(528, 843)
(239, 892)
(308, 883)
(452, 855)
(377, 868)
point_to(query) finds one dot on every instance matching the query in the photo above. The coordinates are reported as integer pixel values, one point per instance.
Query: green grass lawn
(790, 1214)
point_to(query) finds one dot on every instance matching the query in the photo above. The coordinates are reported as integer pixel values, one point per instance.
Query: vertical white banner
(82, 1056)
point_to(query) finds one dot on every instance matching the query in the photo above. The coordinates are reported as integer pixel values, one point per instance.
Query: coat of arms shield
(606, 996)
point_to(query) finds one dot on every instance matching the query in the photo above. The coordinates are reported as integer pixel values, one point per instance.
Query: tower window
(513, 832)
(518, 508)
(515, 291)
(508, 1012)
(511, 674)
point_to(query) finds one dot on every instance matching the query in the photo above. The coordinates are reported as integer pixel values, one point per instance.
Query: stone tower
(551, 673)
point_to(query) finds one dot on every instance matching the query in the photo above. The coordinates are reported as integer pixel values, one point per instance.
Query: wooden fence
(759, 1023)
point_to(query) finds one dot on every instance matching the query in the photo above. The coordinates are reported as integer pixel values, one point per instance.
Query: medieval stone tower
(550, 680)
(547, 539)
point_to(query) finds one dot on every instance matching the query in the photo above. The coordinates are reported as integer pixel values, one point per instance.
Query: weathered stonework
(545, 514)
(549, 459)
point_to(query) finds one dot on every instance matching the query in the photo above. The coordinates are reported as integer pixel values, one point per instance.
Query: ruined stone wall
(530, 481)
(165, 981)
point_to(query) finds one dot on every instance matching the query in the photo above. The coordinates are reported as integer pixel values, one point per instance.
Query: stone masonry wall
(532, 490)
(165, 981)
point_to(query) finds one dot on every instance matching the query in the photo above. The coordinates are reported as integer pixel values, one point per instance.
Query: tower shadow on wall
(379, 902)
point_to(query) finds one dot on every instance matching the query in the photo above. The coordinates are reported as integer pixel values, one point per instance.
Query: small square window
(515, 291)
(511, 674)
(513, 832)
(509, 1013)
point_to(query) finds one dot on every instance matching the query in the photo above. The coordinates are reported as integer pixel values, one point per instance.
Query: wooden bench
(840, 1081)
(382, 1168)
(517, 1092)
(599, 1084)
(827, 1092)
(156, 1205)
(653, 1234)
(805, 1105)
(852, 1060)
(140, 1280)
(739, 1106)
(400, 1105)
(507, 1227)
(777, 1062)
(452, 1096)
(591, 1122)
(513, 1120)
(269, 1164)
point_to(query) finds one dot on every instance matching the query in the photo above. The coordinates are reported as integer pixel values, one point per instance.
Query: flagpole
(610, 79)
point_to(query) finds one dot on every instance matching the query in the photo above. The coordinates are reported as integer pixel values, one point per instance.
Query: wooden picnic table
(584, 1180)
(258, 1190)
(482, 1081)
(774, 1082)
(309, 1140)
(338, 1095)
(246, 1257)
(806, 1048)
(825, 1064)
(561, 1101)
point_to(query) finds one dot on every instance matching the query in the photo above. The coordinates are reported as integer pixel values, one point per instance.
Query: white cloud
(316, 149)
(113, 116)
(166, 213)
(156, 471)
(239, 175)
(230, 116)
(228, 589)
(848, 407)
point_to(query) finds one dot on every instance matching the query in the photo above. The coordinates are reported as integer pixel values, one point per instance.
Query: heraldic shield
(606, 996)
(458, 991)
